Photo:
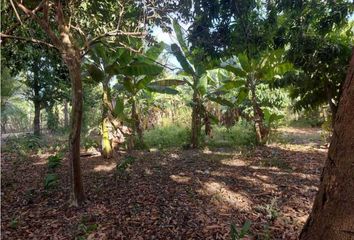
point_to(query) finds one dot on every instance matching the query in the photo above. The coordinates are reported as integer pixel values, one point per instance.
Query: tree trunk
(107, 151)
(261, 130)
(196, 121)
(332, 215)
(37, 118)
(137, 129)
(72, 60)
(333, 107)
(66, 115)
(3, 125)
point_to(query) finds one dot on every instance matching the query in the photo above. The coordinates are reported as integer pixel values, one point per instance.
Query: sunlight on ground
(105, 167)
(42, 158)
(180, 179)
(236, 162)
(219, 191)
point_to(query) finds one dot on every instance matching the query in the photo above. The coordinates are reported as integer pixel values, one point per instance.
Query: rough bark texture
(332, 215)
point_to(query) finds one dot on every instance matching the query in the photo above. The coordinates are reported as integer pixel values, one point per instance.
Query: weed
(271, 210)
(238, 234)
(51, 180)
(54, 161)
(14, 223)
(126, 162)
(275, 162)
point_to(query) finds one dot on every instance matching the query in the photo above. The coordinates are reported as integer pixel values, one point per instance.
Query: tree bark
(66, 114)
(332, 215)
(37, 118)
(196, 121)
(107, 151)
(261, 130)
(137, 129)
(73, 63)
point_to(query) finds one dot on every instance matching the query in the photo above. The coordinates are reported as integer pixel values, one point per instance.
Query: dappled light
(220, 191)
(105, 167)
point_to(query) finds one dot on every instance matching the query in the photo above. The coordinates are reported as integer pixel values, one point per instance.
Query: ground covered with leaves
(174, 194)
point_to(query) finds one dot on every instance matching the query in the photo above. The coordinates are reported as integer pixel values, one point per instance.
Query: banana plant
(201, 75)
(136, 83)
(135, 72)
(248, 74)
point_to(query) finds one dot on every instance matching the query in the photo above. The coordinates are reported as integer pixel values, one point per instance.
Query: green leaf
(202, 84)
(228, 85)
(169, 82)
(141, 84)
(141, 68)
(243, 94)
(245, 228)
(113, 69)
(162, 89)
(245, 62)
(180, 36)
(237, 71)
(128, 85)
(119, 107)
(96, 74)
(181, 58)
(221, 101)
(154, 52)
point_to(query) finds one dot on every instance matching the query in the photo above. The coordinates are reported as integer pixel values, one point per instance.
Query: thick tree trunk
(332, 215)
(107, 151)
(196, 121)
(37, 118)
(66, 114)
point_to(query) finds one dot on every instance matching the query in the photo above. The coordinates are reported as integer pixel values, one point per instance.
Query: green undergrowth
(175, 136)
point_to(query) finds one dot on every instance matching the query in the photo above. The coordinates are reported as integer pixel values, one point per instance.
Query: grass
(175, 136)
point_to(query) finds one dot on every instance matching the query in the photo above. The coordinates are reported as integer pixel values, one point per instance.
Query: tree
(332, 212)
(10, 96)
(249, 74)
(195, 65)
(72, 30)
(319, 39)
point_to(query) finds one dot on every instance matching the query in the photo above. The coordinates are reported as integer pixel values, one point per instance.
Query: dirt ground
(175, 194)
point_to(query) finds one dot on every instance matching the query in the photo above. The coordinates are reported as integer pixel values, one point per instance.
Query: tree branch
(33, 40)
